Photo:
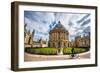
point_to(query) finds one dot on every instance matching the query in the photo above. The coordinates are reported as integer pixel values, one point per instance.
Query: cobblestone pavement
(32, 57)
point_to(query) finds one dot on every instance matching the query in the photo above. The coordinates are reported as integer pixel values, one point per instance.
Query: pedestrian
(72, 53)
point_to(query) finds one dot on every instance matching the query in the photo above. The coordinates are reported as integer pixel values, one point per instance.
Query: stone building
(28, 37)
(28, 40)
(82, 41)
(40, 43)
(72, 44)
(58, 37)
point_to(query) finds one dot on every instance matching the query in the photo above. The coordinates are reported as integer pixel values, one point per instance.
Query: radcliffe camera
(53, 36)
(56, 36)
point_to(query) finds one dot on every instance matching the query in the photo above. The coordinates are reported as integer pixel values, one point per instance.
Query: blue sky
(42, 22)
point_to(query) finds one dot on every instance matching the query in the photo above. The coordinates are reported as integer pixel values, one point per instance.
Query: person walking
(73, 52)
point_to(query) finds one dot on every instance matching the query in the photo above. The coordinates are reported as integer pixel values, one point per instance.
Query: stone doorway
(60, 49)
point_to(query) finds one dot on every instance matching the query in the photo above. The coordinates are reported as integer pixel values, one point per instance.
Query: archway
(60, 48)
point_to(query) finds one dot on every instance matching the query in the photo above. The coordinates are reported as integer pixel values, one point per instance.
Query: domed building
(58, 37)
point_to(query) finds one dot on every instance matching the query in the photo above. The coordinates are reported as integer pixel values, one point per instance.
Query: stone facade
(82, 41)
(40, 43)
(58, 36)
(72, 44)
(28, 38)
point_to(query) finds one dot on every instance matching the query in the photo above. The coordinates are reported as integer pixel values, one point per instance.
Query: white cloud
(40, 21)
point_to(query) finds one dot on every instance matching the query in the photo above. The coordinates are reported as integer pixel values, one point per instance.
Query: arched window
(64, 44)
(53, 44)
(59, 45)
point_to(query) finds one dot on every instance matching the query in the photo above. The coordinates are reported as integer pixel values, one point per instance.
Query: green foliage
(67, 51)
(42, 51)
(77, 50)
(53, 51)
